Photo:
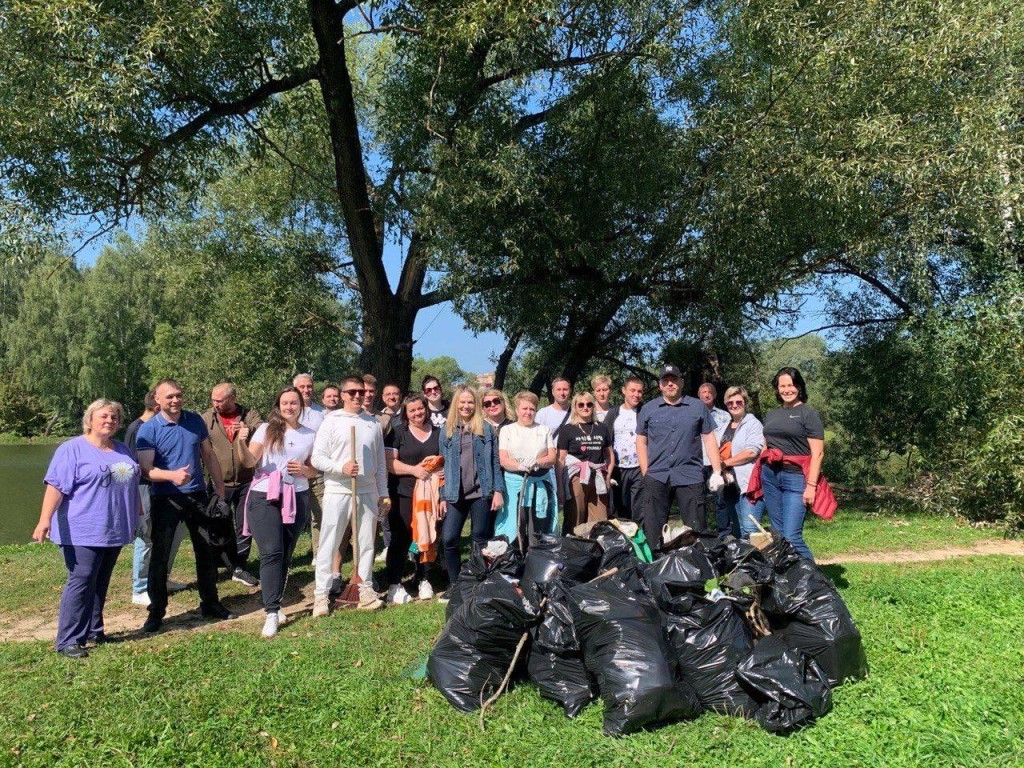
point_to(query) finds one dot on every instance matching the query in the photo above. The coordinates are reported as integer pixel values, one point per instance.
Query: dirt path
(929, 555)
(124, 620)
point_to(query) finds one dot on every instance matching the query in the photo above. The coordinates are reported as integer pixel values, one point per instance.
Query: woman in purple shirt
(90, 508)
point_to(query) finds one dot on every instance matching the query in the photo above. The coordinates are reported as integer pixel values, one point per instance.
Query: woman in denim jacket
(473, 483)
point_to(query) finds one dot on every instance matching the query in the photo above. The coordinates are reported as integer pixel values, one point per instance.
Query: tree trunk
(387, 317)
(504, 359)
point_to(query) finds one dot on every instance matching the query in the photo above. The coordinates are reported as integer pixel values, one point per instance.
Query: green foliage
(445, 368)
(20, 413)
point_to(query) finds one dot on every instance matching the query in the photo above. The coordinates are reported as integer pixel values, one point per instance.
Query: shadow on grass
(837, 573)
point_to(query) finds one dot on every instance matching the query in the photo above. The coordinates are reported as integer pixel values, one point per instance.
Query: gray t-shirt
(788, 429)
(469, 484)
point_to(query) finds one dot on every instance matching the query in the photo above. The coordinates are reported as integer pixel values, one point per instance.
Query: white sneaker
(140, 598)
(270, 625)
(397, 595)
(175, 586)
(368, 599)
(282, 618)
(426, 591)
(321, 606)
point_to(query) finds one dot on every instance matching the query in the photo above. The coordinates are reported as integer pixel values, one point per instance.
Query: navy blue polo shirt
(674, 439)
(174, 446)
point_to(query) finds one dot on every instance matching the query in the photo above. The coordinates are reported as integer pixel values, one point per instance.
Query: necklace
(591, 425)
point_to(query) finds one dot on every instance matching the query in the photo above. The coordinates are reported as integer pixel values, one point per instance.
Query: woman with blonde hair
(740, 442)
(474, 486)
(497, 411)
(90, 508)
(527, 454)
(601, 386)
(585, 464)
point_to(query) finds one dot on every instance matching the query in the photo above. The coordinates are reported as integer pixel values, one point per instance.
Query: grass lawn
(946, 686)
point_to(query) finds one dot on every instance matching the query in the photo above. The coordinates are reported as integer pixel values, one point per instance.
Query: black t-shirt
(587, 442)
(410, 450)
(788, 429)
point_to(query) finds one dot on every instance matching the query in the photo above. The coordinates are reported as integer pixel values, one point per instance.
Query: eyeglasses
(587, 406)
(354, 392)
(491, 403)
(736, 403)
(431, 389)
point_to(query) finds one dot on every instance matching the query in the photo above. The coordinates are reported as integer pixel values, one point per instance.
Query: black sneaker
(216, 611)
(242, 576)
(153, 624)
(99, 639)
(73, 652)
(445, 597)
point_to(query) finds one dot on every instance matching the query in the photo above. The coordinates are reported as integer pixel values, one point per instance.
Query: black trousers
(234, 497)
(628, 494)
(400, 519)
(276, 542)
(167, 511)
(658, 498)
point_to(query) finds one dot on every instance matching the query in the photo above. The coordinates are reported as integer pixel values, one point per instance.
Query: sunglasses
(431, 389)
(734, 402)
(354, 392)
(587, 406)
(491, 403)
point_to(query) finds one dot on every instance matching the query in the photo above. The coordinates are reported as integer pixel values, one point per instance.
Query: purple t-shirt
(101, 494)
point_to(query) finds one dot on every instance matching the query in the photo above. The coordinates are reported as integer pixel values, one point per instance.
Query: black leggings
(400, 518)
(276, 542)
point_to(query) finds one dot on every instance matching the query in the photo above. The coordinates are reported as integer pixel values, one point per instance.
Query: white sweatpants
(337, 511)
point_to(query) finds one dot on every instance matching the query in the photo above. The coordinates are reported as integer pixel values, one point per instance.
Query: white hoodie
(332, 450)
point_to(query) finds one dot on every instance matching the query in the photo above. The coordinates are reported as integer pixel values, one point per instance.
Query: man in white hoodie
(332, 455)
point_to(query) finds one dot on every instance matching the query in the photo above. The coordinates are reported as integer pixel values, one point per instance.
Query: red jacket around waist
(825, 504)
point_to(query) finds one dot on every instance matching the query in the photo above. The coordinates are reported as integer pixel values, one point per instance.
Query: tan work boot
(369, 600)
(321, 606)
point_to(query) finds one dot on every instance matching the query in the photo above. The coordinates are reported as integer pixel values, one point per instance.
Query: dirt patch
(123, 621)
(928, 555)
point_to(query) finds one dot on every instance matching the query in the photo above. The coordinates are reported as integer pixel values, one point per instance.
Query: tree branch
(221, 109)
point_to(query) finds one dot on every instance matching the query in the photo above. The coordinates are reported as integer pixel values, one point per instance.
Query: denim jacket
(485, 453)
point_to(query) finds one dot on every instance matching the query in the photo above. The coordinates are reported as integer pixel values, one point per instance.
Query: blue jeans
(744, 509)
(479, 512)
(734, 510)
(784, 499)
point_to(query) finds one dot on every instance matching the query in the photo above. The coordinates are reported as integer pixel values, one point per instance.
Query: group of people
(421, 466)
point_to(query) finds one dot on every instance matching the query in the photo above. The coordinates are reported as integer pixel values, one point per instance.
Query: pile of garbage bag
(708, 625)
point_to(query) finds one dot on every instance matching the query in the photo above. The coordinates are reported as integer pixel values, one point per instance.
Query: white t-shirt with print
(523, 444)
(296, 445)
(624, 439)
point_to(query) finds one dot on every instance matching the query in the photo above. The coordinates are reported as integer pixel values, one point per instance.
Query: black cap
(670, 370)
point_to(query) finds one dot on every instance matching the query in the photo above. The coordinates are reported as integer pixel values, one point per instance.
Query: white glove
(716, 482)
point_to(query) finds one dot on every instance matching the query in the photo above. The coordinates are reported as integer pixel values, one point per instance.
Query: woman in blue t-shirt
(90, 507)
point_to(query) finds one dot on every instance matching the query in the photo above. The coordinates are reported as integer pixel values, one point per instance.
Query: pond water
(21, 489)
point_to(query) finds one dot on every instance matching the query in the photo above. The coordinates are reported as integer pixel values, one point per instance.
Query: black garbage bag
(476, 569)
(789, 684)
(710, 641)
(616, 548)
(216, 526)
(677, 579)
(742, 557)
(555, 664)
(569, 558)
(804, 607)
(625, 648)
(478, 643)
